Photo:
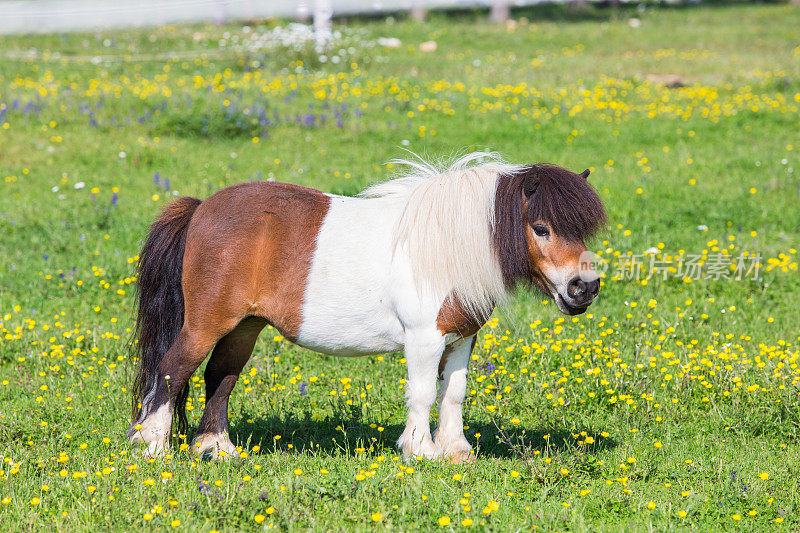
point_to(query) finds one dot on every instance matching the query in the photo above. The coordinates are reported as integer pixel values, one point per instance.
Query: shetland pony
(417, 263)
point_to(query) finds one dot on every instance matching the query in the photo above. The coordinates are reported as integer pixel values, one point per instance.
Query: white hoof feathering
(155, 449)
(418, 447)
(452, 446)
(153, 431)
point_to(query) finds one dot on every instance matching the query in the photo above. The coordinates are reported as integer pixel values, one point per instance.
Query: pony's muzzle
(581, 292)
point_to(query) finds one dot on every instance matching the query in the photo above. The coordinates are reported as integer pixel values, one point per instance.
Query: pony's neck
(447, 229)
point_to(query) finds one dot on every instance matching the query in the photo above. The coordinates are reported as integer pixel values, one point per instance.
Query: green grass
(708, 369)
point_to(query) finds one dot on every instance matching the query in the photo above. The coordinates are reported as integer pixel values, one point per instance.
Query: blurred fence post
(323, 11)
(418, 10)
(220, 13)
(249, 10)
(500, 11)
(303, 13)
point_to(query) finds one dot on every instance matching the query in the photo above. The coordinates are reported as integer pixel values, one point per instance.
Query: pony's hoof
(426, 449)
(155, 449)
(210, 447)
(455, 450)
(460, 458)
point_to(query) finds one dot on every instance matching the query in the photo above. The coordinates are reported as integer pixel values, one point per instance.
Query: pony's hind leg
(423, 350)
(179, 363)
(227, 360)
(453, 368)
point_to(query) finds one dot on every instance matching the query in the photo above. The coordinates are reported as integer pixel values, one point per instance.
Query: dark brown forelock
(556, 196)
(564, 200)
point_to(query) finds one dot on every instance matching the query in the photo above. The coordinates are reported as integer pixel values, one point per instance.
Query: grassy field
(672, 404)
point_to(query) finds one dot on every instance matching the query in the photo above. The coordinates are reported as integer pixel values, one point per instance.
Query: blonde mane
(446, 226)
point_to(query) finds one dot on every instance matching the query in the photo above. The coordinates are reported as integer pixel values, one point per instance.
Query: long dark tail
(160, 299)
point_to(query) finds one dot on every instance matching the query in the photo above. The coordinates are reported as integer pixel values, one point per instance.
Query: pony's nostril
(582, 291)
(576, 288)
(594, 288)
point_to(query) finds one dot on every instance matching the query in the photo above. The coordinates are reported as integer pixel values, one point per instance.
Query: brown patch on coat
(248, 253)
(454, 318)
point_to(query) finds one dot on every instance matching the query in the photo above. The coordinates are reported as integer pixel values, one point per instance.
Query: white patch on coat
(349, 305)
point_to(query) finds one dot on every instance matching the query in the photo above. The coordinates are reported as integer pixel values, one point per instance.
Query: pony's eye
(541, 231)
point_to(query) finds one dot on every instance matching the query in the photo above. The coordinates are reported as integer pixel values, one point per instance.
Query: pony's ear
(585, 174)
(531, 181)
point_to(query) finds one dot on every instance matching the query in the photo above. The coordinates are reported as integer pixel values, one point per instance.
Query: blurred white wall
(40, 16)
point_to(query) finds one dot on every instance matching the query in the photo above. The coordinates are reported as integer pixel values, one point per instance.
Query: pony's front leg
(423, 351)
(449, 435)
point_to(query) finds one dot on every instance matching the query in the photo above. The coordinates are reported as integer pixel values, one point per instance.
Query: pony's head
(543, 215)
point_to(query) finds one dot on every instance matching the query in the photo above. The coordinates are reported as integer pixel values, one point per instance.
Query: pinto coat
(416, 264)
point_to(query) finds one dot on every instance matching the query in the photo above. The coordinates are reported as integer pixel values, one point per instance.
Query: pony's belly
(350, 336)
(352, 351)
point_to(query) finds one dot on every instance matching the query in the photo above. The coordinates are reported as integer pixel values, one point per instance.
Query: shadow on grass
(341, 436)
